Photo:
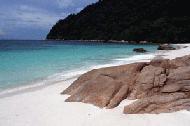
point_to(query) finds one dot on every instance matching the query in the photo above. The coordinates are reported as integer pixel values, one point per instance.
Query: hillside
(130, 20)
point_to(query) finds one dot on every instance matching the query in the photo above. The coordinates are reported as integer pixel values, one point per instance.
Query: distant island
(165, 21)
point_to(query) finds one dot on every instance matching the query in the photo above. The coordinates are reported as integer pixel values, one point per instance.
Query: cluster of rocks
(160, 86)
(160, 47)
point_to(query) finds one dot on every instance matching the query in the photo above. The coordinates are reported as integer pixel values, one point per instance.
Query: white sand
(46, 107)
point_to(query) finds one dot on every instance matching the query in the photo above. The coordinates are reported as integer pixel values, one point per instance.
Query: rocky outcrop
(105, 87)
(160, 86)
(139, 50)
(166, 47)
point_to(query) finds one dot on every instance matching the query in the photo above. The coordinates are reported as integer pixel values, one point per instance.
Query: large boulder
(105, 87)
(160, 86)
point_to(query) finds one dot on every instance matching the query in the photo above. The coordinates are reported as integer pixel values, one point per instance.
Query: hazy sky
(32, 19)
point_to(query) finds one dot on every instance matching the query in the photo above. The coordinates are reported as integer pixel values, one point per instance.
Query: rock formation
(160, 86)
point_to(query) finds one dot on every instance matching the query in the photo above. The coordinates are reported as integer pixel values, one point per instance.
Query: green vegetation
(130, 20)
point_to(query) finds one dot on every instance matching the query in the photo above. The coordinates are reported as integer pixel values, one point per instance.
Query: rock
(147, 81)
(160, 86)
(159, 103)
(185, 46)
(181, 61)
(139, 50)
(105, 87)
(119, 96)
(166, 47)
(171, 88)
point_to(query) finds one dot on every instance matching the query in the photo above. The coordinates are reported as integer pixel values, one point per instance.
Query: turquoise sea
(28, 62)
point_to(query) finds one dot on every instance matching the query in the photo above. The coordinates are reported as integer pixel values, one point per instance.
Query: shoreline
(43, 83)
(45, 106)
(73, 74)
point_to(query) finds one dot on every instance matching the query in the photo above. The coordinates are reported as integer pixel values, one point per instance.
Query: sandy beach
(46, 107)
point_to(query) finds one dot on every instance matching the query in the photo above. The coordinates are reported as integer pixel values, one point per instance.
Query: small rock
(139, 50)
(166, 47)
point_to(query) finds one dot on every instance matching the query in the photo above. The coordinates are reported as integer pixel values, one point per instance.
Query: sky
(32, 19)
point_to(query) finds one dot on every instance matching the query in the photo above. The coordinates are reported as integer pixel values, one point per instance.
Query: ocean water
(28, 62)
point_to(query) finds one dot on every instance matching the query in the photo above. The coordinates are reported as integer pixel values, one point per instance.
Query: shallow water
(27, 62)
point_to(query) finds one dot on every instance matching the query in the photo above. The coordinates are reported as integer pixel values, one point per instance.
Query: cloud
(74, 3)
(65, 3)
(2, 33)
(20, 18)
(27, 15)
(78, 9)
(26, 22)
